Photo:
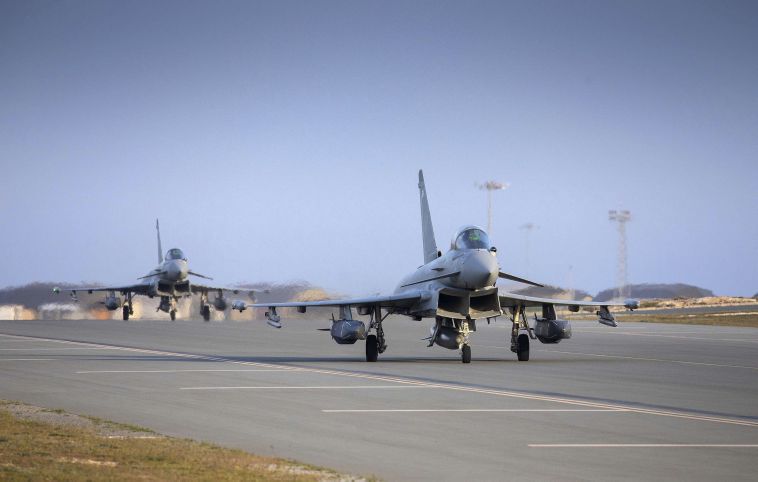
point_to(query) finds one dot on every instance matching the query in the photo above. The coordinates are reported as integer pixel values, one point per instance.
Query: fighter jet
(457, 289)
(169, 280)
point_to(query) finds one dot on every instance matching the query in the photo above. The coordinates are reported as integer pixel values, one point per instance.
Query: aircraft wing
(403, 300)
(200, 288)
(511, 300)
(138, 288)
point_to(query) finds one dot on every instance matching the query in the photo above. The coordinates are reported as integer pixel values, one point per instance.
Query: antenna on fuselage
(427, 230)
(160, 249)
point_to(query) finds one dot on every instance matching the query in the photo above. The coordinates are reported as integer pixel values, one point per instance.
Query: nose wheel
(172, 314)
(125, 311)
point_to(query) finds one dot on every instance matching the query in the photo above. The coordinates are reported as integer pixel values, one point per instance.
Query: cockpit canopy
(471, 237)
(175, 253)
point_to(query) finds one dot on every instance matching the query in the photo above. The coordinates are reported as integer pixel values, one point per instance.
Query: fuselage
(461, 284)
(171, 275)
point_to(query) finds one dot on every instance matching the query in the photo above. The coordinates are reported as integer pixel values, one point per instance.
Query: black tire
(523, 347)
(206, 312)
(125, 311)
(172, 313)
(466, 354)
(372, 348)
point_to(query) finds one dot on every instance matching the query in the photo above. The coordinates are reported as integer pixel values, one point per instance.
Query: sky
(281, 141)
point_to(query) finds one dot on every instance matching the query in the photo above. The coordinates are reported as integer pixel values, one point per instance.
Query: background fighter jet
(456, 289)
(169, 280)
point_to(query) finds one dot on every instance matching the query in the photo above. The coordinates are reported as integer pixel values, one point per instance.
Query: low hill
(659, 290)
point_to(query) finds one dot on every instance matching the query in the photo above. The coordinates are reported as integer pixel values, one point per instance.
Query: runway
(641, 401)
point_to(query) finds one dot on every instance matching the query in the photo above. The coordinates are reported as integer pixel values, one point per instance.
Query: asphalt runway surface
(637, 402)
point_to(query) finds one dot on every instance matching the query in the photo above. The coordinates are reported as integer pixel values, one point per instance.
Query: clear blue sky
(280, 140)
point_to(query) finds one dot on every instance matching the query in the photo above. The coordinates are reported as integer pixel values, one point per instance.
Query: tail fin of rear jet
(427, 231)
(160, 249)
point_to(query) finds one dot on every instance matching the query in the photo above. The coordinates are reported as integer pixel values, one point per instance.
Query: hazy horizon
(281, 141)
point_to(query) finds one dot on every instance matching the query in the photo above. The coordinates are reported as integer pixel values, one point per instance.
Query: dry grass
(31, 449)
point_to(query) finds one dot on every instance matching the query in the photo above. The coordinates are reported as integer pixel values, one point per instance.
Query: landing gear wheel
(372, 348)
(466, 354)
(206, 312)
(126, 311)
(172, 313)
(523, 347)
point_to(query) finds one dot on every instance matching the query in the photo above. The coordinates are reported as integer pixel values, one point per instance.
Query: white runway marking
(682, 362)
(410, 382)
(27, 359)
(626, 446)
(313, 387)
(745, 340)
(50, 349)
(190, 370)
(434, 410)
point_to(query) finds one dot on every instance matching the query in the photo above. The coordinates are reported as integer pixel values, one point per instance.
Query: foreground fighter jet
(456, 289)
(168, 280)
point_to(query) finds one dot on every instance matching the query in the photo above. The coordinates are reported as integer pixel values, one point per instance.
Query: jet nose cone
(479, 270)
(176, 271)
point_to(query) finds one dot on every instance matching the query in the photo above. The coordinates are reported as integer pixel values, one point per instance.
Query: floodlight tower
(621, 218)
(490, 186)
(528, 228)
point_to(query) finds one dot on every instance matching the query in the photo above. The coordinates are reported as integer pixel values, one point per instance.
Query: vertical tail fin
(427, 231)
(160, 249)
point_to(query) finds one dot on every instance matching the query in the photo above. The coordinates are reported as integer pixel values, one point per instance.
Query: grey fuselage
(469, 292)
(170, 278)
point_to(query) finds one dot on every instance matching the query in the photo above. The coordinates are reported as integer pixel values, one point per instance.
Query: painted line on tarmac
(682, 362)
(622, 357)
(27, 359)
(407, 381)
(311, 387)
(48, 349)
(186, 371)
(656, 335)
(626, 446)
(474, 410)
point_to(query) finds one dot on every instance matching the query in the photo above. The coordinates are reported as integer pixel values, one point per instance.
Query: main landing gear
(205, 308)
(466, 353)
(375, 344)
(127, 309)
(519, 342)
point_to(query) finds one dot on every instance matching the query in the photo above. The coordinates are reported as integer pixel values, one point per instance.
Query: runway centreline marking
(407, 381)
(309, 387)
(433, 410)
(188, 370)
(626, 446)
